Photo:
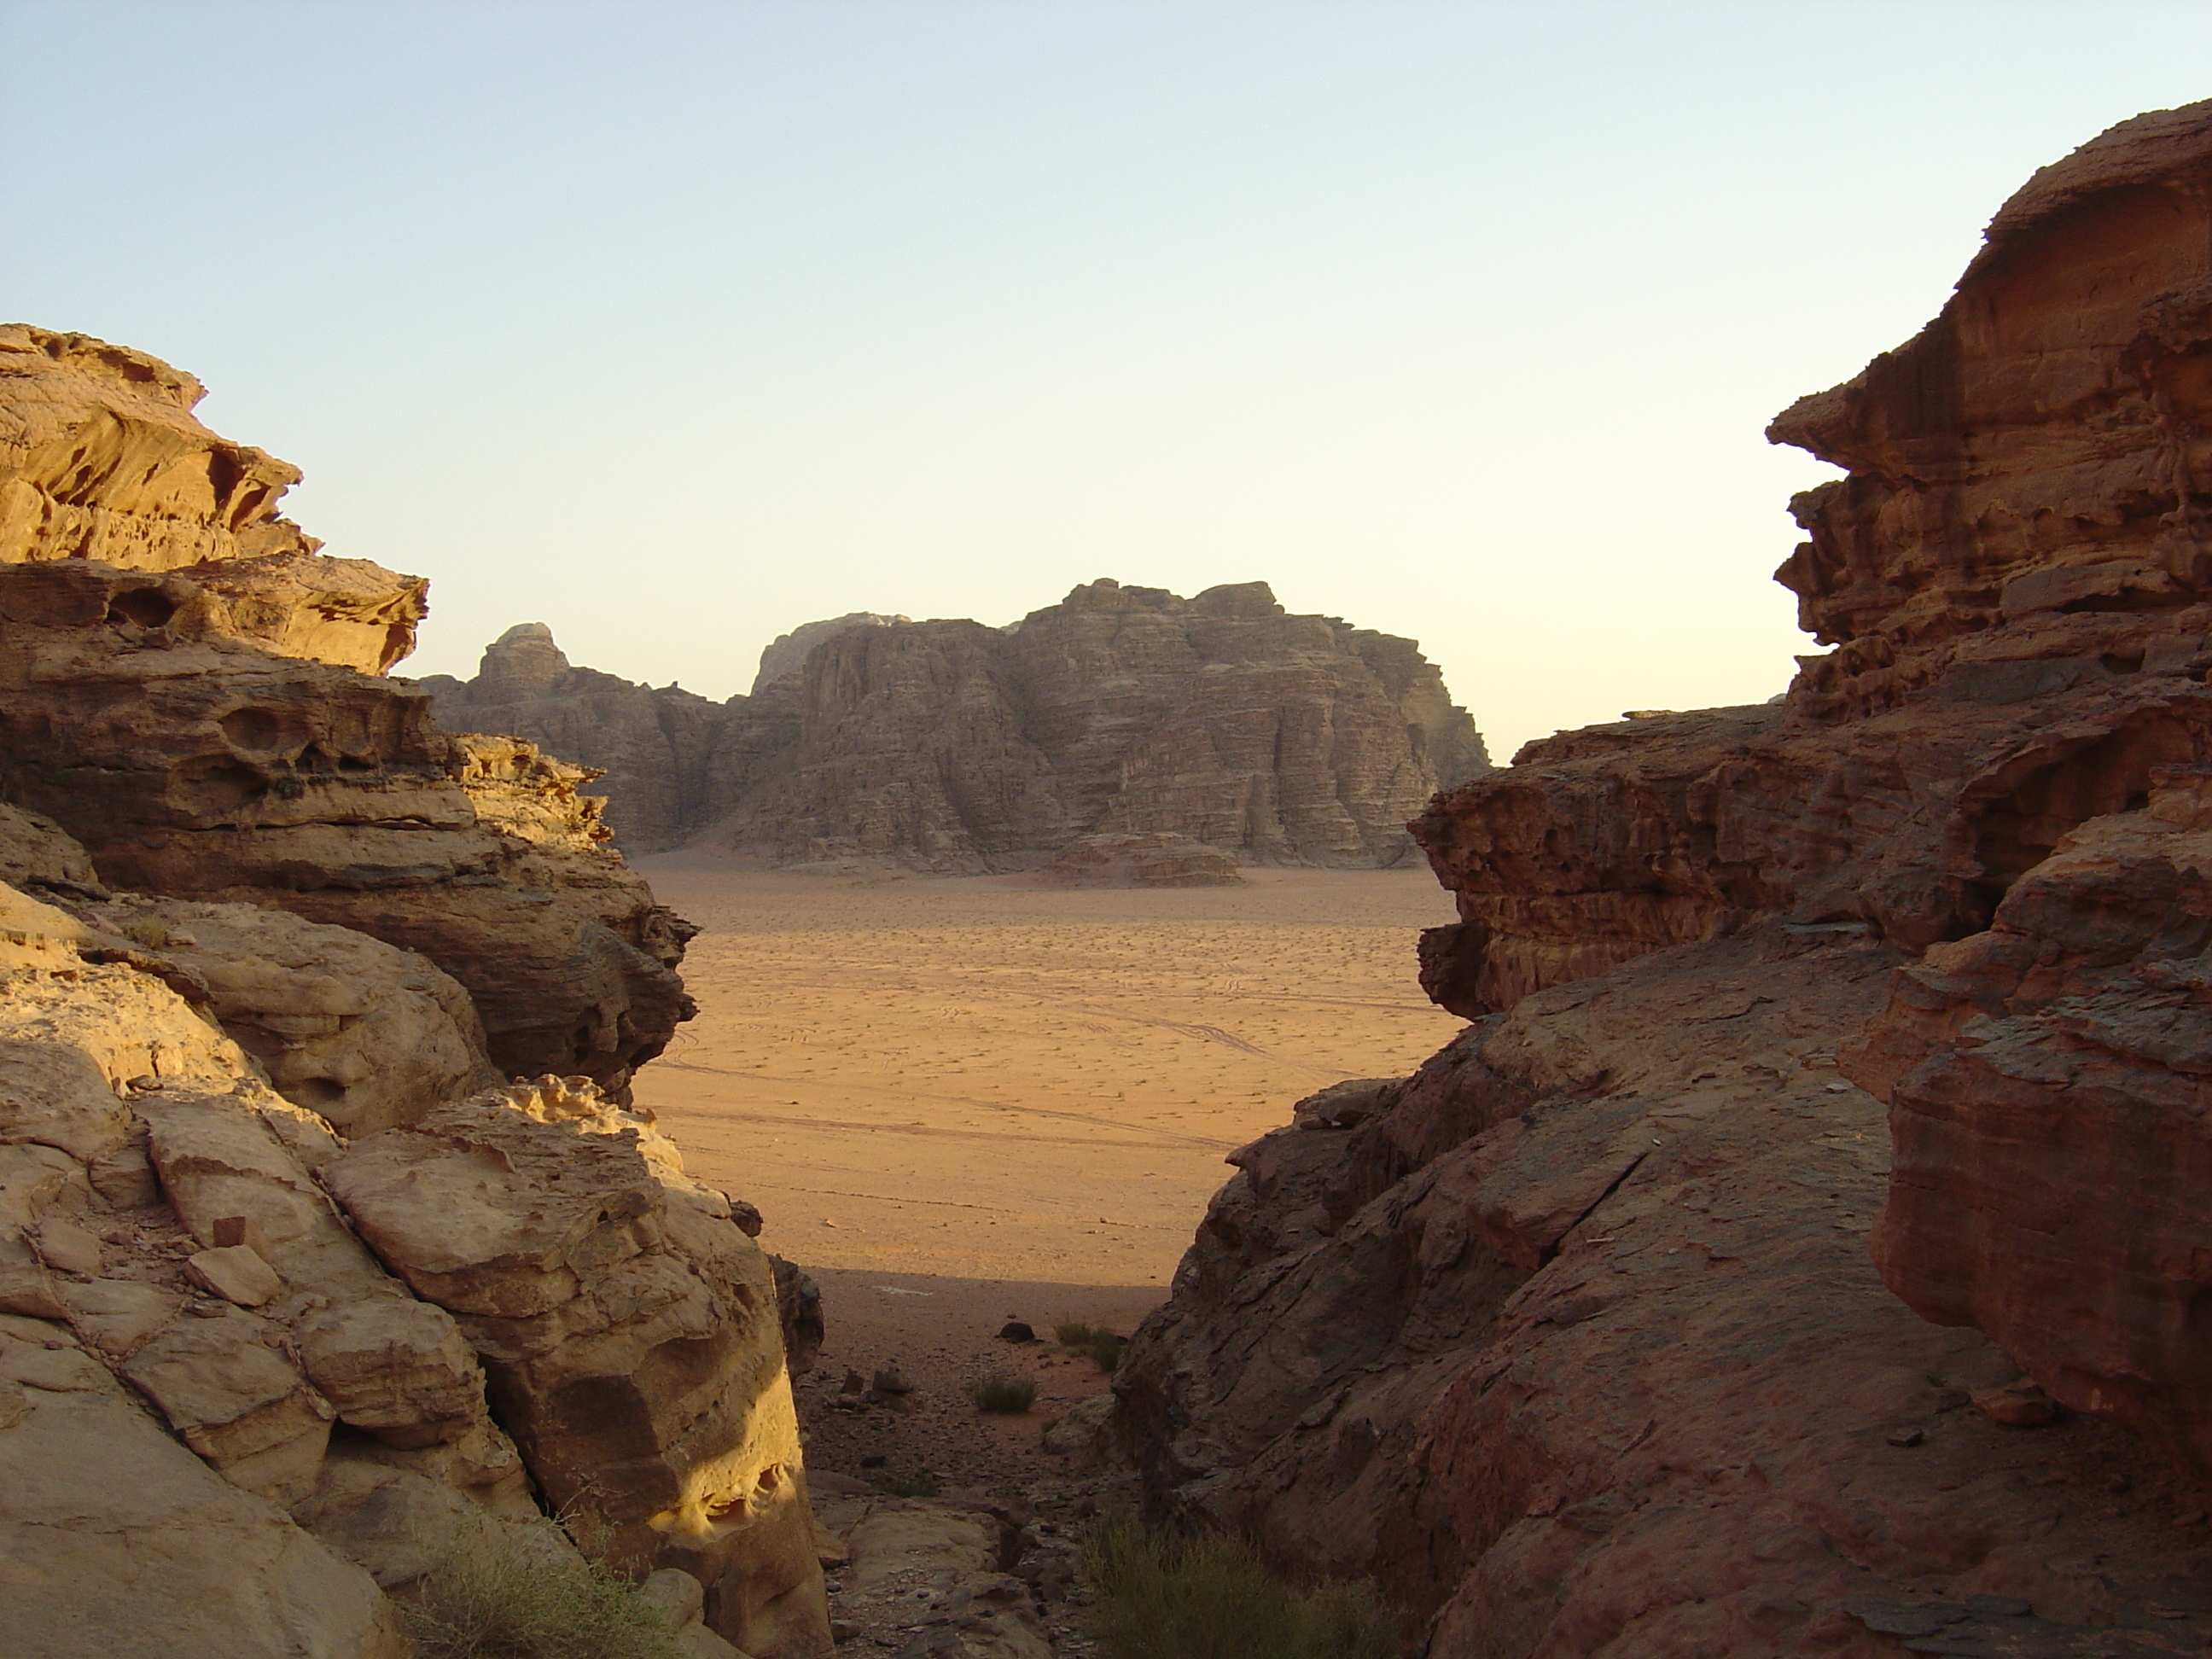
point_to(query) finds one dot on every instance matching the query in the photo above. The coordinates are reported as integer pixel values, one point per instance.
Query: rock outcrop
(194, 693)
(950, 745)
(2012, 577)
(390, 1339)
(1572, 1339)
(296, 1303)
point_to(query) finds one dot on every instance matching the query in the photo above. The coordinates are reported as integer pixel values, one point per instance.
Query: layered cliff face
(2014, 579)
(195, 693)
(1573, 1338)
(948, 746)
(296, 1303)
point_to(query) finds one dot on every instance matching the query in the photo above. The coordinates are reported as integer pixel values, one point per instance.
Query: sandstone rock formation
(948, 746)
(1571, 1339)
(295, 1304)
(785, 656)
(386, 1338)
(191, 692)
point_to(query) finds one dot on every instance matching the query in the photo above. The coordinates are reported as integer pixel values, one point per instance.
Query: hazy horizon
(675, 324)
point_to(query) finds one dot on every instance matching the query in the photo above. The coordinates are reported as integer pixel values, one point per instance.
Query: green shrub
(1009, 1395)
(1101, 1344)
(149, 931)
(494, 1596)
(1213, 1597)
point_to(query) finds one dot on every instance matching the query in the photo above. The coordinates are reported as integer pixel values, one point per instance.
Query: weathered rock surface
(2014, 578)
(785, 655)
(950, 745)
(2049, 1080)
(227, 1428)
(116, 1539)
(937, 1568)
(364, 1033)
(1571, 1339)
(193, 692)
(629, 1330)
(167, 1222)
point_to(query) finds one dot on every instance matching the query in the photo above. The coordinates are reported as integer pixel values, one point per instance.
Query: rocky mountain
(948, 746)
(1802, 1248)
(297, 1297)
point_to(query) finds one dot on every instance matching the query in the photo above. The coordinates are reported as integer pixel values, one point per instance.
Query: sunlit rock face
(402, 1339)
(195, 693)
(268, 942)
(2015, 581)
(1836, 1074)
(1273, 738)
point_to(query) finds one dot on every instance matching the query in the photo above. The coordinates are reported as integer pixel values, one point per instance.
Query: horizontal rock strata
(194, 693)
(950, 745)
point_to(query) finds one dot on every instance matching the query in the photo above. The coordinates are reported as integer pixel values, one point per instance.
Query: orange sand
(978, 1079)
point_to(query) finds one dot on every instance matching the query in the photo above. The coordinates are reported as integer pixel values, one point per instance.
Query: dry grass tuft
(1009, 1396)
(1101, 1344)
(1213, 1597)
(494, 1596)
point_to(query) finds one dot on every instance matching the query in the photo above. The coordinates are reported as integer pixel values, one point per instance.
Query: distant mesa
(948, 745)
(787, 654)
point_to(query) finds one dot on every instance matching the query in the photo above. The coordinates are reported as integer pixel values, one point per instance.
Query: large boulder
(629, 1329)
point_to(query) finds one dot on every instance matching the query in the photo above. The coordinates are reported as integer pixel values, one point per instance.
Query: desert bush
(1008, 1395)
(1213, 1597)
(149, 931)
(494, 1596)
(1101, 1344)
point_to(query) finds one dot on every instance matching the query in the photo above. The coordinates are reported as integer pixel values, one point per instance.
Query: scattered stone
(2017, 1405)
(237, 1274)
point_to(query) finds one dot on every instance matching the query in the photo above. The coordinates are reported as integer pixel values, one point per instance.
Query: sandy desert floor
(958, 1101)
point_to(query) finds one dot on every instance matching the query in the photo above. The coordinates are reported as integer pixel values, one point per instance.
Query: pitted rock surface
(193, 692)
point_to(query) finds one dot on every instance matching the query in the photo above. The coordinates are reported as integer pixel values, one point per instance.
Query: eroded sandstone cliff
(194, 693)
(950, 745)
(296, 1301)
(1573, 1338)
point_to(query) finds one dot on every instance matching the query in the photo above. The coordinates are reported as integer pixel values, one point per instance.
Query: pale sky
(674, 324)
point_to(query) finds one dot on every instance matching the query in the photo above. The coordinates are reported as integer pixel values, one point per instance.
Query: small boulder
(236, 1274)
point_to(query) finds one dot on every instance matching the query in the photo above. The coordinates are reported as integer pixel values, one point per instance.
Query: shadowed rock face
(950, 745)
(1572, 1338)
(193, 692)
